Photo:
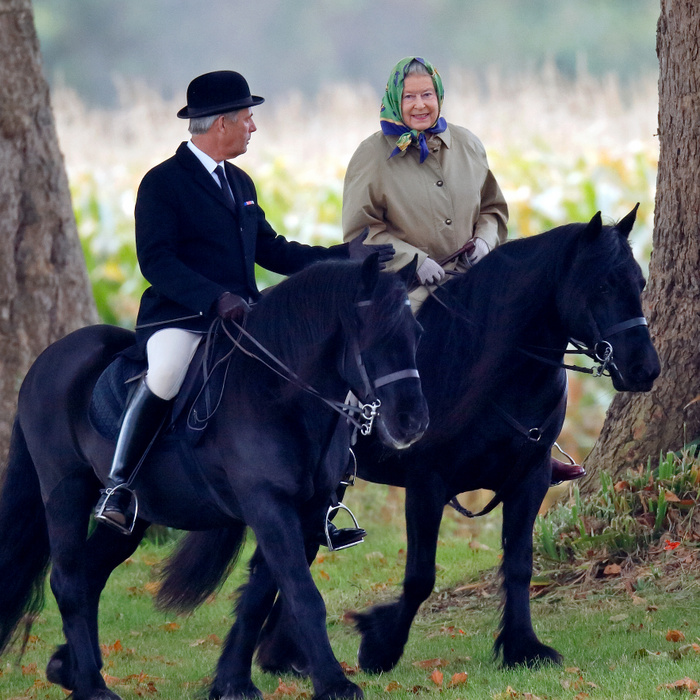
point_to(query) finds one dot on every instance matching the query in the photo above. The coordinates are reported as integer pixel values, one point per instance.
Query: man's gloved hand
(479, 252)
(232, 307)
(430, 272)
(357, 250)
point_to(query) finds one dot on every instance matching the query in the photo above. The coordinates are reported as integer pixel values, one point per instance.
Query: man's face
(237, 133)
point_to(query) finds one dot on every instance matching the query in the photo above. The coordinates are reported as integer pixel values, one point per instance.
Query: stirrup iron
(99, 514)
(331, 511)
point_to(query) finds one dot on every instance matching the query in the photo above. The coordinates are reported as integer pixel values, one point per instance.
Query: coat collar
(193, 165)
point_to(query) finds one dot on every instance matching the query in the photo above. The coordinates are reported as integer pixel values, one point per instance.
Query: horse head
(380, 358)
(601, 304)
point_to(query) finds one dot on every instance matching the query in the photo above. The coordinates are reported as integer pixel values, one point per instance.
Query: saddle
(193, 406)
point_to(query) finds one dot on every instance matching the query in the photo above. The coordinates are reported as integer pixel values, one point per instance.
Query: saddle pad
(110, 394)
(191, 408)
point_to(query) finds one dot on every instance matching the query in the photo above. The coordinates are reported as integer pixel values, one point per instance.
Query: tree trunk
(642, 426)
(44, 289)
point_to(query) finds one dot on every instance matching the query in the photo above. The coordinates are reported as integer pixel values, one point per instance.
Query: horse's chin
(620, 383)
(396, 443)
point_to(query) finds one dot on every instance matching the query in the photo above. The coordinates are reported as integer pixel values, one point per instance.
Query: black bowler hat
(217, 93)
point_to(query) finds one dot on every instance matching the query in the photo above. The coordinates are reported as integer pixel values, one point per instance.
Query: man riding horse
(199, 234)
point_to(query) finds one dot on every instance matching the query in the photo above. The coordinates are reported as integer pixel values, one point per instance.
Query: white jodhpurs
(169, 353)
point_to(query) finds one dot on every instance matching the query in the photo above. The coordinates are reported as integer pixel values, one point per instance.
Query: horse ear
(408, 272)
(593, 229)
(370, 275)
(626, 224)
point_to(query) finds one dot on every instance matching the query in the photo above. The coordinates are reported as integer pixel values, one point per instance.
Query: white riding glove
(480, 251)
(430, 272)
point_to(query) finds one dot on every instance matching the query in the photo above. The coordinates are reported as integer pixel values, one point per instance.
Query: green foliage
(626, 517)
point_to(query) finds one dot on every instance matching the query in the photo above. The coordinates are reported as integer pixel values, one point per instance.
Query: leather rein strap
(365, 414)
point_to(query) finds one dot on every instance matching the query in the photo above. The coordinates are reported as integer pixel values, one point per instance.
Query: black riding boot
(142, 419)
(340, 538)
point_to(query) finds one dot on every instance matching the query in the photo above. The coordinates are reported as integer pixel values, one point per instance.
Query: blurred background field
(560, 148)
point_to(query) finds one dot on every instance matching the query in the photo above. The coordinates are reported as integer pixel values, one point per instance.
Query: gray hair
(416, 67)
(200, 125)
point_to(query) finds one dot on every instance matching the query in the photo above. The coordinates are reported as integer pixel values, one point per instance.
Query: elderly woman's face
(419, 103)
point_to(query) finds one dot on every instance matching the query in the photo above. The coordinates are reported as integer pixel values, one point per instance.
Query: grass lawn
(624, 636)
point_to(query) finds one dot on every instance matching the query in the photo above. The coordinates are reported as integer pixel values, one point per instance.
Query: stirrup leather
(351, 474)
(331, 511)
(101, 517)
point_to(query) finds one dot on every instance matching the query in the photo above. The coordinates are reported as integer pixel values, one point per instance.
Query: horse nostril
(411, 423)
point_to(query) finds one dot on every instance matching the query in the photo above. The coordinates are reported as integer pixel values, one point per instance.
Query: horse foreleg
(385, 628)
(233, 672)
(517, 641)
(279, 534)
(278, 648)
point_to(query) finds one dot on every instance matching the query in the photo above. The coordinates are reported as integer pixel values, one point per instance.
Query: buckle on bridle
(534, 435)
(603, 352)
(368, 413)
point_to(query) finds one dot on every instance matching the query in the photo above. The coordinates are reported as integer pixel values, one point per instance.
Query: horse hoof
(528, 652)
(380, 648)
(346, 689)
(239, 691)
(58, 669)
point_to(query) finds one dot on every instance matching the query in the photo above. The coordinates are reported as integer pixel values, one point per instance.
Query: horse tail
(24, 554)
(199, 566)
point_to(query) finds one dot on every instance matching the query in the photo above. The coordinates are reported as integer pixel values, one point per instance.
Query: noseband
(369, 411)
(602, 351)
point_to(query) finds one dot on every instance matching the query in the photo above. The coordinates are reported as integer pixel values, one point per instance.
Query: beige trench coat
(426, 209)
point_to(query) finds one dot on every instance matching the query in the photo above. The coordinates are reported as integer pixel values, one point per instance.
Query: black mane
(294, 319)
(495, 302)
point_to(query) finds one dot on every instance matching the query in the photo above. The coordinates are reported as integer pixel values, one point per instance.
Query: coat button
(448, 222)
(439, 183)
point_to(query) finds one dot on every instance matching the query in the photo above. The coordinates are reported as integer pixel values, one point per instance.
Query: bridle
(601, 351)
(362, 415)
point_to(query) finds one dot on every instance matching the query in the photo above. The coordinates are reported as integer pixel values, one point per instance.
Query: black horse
(491, 363)
(270, 459)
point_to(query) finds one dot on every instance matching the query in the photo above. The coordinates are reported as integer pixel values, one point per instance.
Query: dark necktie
(224, 185)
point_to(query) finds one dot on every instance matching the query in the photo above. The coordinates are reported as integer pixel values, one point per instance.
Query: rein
(365, 412)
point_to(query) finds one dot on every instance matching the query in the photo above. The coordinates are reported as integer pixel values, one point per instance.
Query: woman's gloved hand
(430, 272)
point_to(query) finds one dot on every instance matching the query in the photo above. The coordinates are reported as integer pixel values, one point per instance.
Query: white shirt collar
(207, 161)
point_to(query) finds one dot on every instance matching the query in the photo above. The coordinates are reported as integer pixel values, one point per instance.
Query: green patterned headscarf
(390, 113)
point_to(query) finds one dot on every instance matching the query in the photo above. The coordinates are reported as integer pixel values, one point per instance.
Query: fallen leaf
(682, 684)
(621, 486)
(671, 497)
(612, 570)
(349, 670)
(670, 546)
(324, 575)
(284, 689)
(211, 641)
(152, 587)
(29, 670)
(647, 653)
(675, 636)
(170, 626)
(436, 677)
(458, 679)
(393, 686)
